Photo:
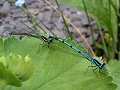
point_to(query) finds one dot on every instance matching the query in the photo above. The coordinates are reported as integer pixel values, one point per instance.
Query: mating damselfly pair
(50, 38)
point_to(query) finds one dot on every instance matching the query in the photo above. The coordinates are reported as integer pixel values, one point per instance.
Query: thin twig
(89, 22)
(62, 15)
(104, 44)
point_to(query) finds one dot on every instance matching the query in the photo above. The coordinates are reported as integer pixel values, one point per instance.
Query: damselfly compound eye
(19, 3)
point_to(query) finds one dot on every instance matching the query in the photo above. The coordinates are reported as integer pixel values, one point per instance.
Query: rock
(67, 13)
(34, 11)
(5, 30)
(77, 24)
(4, 10)
(59, 26)
(0, 22)
(11, 18)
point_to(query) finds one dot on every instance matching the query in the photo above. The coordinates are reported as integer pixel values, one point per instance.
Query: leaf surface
(57, 68)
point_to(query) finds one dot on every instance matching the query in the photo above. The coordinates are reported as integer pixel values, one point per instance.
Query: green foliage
(14, 69)
(56, 67)
(7, 77)
(114, 67)
(21, 67)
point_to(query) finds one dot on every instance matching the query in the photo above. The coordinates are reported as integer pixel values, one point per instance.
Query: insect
(49, 39)
(86, 55)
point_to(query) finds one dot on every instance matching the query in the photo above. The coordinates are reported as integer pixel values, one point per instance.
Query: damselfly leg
(93, 67)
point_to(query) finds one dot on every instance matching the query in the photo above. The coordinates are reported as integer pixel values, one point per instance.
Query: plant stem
(111, 54)
(64, 20)
(104, 44)
(89, 22)
(118, 34)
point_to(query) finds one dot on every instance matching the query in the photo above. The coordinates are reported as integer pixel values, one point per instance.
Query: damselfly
(49, 39)
(95, 61)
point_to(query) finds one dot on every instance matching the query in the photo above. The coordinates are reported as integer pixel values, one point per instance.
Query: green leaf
(57, 68)
(14, 69)
(7, 77)
(114, 69)
(1, 46)
(22, 67)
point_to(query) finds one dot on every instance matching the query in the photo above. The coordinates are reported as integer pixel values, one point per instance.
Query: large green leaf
(57, 68)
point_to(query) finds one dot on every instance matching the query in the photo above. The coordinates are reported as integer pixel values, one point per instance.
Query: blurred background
(98, 21)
